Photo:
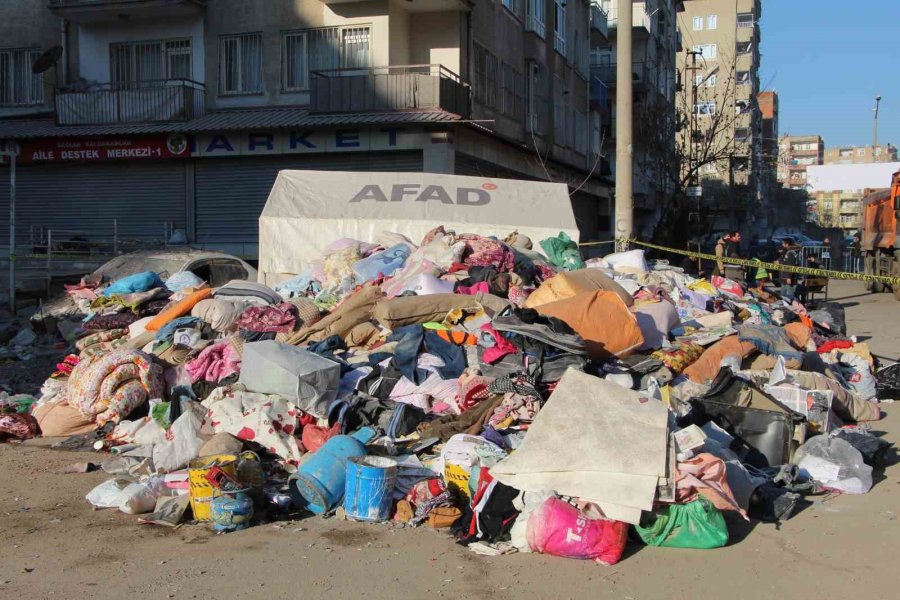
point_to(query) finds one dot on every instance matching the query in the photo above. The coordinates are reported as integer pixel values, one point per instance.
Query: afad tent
(307, 210)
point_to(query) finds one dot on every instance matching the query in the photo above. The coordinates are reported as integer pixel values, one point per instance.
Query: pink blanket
(214, 363)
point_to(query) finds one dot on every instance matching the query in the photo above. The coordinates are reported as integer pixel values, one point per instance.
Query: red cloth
(834, 345)
(502, 347)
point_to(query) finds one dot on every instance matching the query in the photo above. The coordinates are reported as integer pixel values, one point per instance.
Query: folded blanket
(214, 363)
(108, 387)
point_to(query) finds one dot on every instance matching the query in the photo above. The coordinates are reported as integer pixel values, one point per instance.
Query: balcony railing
(599, 24)
(154, 101)
(385, 89)
(641, 74)
(640, 17)
(599, 95)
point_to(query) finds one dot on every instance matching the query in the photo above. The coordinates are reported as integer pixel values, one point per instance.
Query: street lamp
(875, 132)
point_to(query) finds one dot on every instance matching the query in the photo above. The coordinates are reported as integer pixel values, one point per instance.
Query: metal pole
(49, 260)
(875, 132)
(115, 237)
(12, 232)
(624, 124)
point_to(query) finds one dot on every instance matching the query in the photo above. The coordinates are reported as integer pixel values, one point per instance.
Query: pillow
(602, 319)
(566, 285)
(180, 308)
(59, 419)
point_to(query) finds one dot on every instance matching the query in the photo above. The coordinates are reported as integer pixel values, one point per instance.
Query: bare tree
(680, 145)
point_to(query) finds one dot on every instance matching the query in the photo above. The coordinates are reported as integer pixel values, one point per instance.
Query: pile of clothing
(513, 396)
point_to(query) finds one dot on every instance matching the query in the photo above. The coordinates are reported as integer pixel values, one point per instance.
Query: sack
(631, 261)
(888, 382)
(563, 252)
(697, 524)
(559, 529)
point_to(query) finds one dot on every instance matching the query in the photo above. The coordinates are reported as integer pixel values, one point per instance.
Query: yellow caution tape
(760, 264)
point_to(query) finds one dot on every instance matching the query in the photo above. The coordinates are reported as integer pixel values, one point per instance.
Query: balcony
(387, 89)
(640, 74)
(599, 25)
(156, 101)
(599, 95)
(108, 11)
(641, 20)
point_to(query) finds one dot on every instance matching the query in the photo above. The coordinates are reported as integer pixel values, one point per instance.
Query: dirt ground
(55, 546)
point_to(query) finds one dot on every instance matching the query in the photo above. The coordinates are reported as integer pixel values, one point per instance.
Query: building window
(860, 151)
(712, 22)
(744, 47)
(705, 109)
(708, 169)
(742, 77)
(147, 61)
(707, 51)
(745, 20)
(294, 64)
(581, 53)
(240, 64)
(698, 23)
(535, 20)
(513, 6)
(485, 76)
(340, 48)
(18, 85)
(512, 92)
(559, 26)
(741, 134)
(536, 98)
(878, 151)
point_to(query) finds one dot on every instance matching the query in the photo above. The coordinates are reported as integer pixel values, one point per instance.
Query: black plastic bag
(888, 382)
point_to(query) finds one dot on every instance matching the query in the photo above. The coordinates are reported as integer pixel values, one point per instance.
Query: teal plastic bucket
(369, 488)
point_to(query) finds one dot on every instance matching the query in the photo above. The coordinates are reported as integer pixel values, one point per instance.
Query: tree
(679, 143)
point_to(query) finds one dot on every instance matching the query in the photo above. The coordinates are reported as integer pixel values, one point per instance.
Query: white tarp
(307, 210)
(597, 441)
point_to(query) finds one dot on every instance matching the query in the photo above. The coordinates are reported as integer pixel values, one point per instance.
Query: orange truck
(880, 245)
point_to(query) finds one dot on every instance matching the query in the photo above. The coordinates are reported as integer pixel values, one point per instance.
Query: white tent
(307, 210)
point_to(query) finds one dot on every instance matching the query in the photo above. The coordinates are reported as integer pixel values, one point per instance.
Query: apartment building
(655, 42)
(206, 100)
(795, 154)
(854, 155)
(720, 71)
(836, 191)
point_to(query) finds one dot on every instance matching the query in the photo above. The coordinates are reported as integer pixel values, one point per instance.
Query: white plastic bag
(834, 463)
(631, 261)
(183, 440)
(108, 494)
(138, 498)
(856, 372)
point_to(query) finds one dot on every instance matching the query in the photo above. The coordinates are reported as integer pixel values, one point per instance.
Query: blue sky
(827, 60)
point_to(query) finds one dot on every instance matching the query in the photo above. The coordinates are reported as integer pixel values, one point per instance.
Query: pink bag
(559, 529)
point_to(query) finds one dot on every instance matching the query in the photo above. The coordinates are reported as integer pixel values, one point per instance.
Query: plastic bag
(108, 494)
(560, 529)
(563, 252)
(183, 443)
(139, 498)
(834, 463)
(697, 524)
(855, 371)
(888, 382)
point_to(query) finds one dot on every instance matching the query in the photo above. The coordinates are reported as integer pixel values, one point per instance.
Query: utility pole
(624, 227)
(875, 132)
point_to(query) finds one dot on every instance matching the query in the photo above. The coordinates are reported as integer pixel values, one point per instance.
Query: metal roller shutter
(231, 192)
(86, 198)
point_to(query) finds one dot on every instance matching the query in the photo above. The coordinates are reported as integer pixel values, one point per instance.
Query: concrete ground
(54, 546)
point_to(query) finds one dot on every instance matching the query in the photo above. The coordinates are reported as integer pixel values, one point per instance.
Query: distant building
(855, 155)
(836, 191)
(795, 154)
(768, 110)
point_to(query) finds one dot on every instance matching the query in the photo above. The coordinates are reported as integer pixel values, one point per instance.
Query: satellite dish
(47, 59)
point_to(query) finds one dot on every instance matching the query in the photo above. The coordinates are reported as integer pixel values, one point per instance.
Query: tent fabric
(595, 440)
(307, 210)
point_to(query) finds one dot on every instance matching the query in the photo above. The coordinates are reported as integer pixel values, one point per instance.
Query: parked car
(216, 268)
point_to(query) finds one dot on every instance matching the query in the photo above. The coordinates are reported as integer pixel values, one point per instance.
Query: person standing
(727, 246)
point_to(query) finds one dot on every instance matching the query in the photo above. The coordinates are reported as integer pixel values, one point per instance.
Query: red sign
(62, 150)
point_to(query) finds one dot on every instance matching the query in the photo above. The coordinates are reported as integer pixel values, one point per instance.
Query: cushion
(178, 309)
(408, 310)
(602, 319)
(656, 320)
(566, 285)
(705, 369)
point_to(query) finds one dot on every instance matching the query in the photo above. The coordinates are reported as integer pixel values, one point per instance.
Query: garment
(112, 321)
(355, 309)
(771, 340)
(705, 475)
(214, 363)
(182, 280)
(481, 287)
(485, 252)
(470, 422)
(109, 387)
(139, 282)
(411, 339)
(280, 318)
(247, 291)
(496, 346)
(167, 331)
(99, 337)
(21, 426)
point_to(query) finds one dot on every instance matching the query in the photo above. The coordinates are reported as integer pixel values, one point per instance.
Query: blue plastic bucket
(319, 482)
(369, 488)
